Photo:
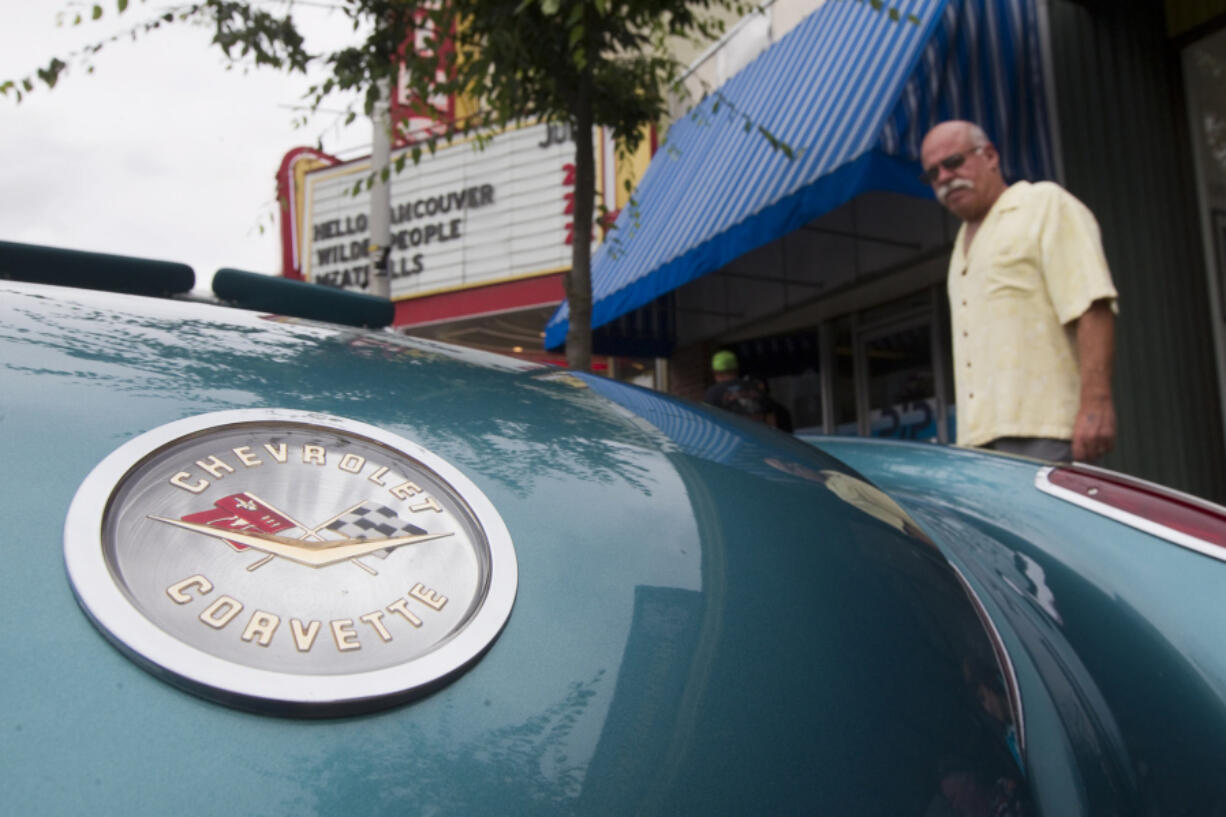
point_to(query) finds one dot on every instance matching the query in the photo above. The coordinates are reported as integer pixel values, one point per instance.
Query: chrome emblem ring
(290, 562)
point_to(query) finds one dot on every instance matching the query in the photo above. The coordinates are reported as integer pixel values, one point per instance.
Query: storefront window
(901, 396)
(790, 366)
(641, 371)
(882, 371)
(897, 381)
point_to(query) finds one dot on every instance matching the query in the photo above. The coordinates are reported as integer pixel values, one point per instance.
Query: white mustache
(952, 185)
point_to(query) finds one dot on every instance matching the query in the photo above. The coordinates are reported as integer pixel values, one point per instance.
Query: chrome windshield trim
(1002, 658)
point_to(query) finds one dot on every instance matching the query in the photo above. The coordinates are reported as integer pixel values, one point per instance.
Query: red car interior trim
(1179, 518)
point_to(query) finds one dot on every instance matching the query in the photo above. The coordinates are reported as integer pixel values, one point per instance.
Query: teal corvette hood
(710, 617)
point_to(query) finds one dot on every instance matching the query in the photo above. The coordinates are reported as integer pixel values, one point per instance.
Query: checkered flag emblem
(370, 522)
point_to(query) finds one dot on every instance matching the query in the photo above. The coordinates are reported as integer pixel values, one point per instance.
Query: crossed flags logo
(244, 512)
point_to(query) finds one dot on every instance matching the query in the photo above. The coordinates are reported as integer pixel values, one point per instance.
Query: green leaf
(123, 6)
(51, 74)
(913, 19)
(576, 34)
(550, 7)
(894, 15)
(385, 174)
(350, 117)
(97, 12)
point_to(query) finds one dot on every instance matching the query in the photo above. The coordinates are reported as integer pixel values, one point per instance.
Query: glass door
(900, 371)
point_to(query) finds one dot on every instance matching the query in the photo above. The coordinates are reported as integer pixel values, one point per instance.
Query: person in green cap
(746, 396)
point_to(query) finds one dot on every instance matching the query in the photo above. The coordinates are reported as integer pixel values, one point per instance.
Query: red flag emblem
(241, 512)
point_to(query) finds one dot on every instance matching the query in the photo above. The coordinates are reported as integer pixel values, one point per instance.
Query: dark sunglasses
(951, 162)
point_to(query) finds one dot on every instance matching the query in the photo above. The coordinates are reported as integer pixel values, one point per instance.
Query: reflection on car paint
(1036, 586)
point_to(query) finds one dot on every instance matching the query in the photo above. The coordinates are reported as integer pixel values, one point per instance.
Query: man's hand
(1094, 428)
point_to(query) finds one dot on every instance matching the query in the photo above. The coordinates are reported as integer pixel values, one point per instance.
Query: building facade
(824, 270)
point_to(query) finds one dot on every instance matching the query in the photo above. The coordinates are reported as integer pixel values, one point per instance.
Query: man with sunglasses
(1032, 306)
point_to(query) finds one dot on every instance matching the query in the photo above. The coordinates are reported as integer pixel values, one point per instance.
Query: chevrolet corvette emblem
(290, 562)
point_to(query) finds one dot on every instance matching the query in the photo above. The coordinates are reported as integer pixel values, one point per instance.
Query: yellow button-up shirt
(1035, 265)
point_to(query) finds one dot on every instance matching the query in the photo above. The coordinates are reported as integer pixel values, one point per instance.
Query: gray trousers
(1039, 448)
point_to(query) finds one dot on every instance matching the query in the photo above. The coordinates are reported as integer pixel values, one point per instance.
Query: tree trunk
(579, 279)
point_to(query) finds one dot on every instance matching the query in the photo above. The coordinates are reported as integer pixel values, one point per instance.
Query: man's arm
(1094, 430)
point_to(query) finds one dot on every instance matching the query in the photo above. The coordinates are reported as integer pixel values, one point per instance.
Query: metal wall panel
(1127, 155)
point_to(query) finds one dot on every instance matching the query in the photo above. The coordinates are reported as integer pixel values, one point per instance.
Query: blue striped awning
(851, 91)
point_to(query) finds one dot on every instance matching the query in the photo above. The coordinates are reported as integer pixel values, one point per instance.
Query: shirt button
(971, 395)
(964, 302)
(964, 332)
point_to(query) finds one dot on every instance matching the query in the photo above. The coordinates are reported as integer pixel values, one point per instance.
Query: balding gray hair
(977, 136)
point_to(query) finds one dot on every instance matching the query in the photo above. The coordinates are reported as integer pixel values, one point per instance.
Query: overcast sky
(161, 152)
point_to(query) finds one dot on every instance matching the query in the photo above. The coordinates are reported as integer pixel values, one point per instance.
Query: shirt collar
(1011, 199)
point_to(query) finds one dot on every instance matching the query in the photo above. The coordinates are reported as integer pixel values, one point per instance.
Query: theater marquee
(463, 217)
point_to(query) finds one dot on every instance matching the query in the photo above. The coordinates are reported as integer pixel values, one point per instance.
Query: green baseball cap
(724, 361)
